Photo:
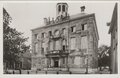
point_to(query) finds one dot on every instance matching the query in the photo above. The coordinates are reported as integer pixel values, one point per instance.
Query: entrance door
(56, 63)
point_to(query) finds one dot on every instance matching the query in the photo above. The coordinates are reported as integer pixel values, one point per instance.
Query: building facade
(66, 42)
(114, 41)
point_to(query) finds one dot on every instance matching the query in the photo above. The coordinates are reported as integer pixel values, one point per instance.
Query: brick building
(66, 42)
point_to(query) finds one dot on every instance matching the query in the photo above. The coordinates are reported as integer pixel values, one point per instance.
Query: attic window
(84, 26)
(73, 29)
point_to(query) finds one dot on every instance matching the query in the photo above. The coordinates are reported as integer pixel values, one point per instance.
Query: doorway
(56, 62)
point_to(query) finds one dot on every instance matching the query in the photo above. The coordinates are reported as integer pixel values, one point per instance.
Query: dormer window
(84, 26)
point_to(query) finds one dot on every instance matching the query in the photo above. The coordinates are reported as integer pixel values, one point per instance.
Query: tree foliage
(103, 56)
(13, 41)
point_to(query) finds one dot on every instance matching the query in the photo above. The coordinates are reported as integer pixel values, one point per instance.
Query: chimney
(82, 9)
(108, 23)
(45, 21)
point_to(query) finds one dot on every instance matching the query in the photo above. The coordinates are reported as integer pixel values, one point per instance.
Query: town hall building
(68, 41)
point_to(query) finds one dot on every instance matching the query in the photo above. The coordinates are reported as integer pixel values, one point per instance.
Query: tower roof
(62, 3)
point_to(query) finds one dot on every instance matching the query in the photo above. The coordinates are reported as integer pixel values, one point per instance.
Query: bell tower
(62, 9)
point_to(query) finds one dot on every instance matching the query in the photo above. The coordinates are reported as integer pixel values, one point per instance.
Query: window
(43, 35)
(43, 48)
(56, 33)
(73, 29)
(73, 43)
(59, 8)
(50, 33)
(51, 46)
(84, 43)
(42, 52)
(63, 45)
(63, 8)
(63, 60)
(84, 26)
(36, 48)
(36, 36)
(76, 59)
(57, 45)
(64, 31)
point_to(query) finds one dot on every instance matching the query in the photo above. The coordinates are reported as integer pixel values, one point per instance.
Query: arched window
(63, 8)
(64, 31)
(57, 32)
(59, 8)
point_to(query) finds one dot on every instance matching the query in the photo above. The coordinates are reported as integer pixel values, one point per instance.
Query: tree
(103, 56)
(13, 43)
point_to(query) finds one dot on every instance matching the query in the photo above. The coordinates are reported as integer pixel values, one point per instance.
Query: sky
(27, 16)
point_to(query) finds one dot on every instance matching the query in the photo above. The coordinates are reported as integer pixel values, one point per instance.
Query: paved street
(72, 71)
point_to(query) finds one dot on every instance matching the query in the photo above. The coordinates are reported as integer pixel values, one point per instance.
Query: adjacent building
(114, 41)
(66, 41)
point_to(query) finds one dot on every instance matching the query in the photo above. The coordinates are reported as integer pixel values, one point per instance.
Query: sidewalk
(56, 71)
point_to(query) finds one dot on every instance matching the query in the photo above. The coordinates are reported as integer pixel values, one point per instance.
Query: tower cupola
(62, 9)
